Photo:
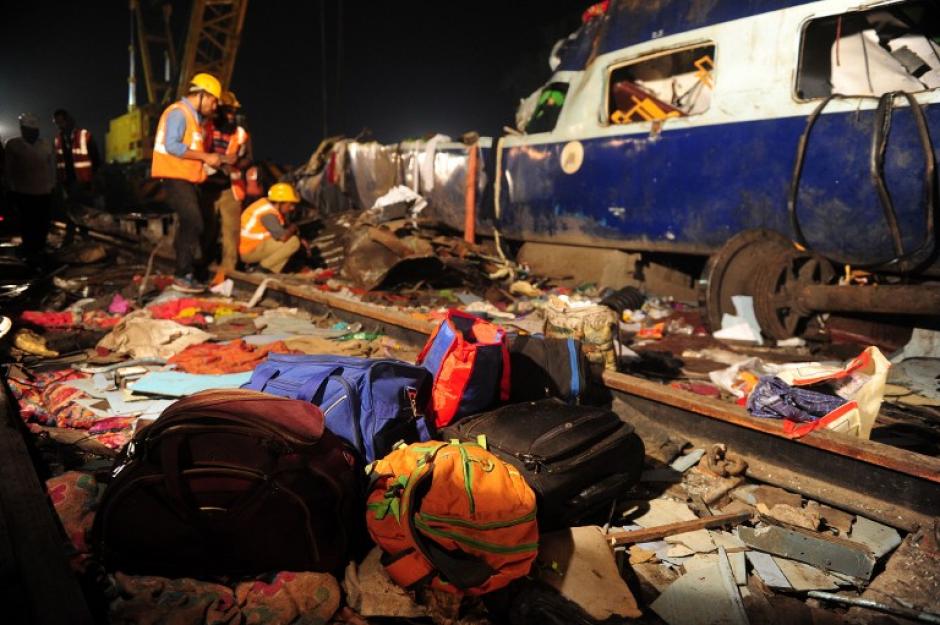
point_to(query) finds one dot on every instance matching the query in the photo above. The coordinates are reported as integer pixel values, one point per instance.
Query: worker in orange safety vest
(224, 189)
(265, 237)
(76, 162)
(179, 160)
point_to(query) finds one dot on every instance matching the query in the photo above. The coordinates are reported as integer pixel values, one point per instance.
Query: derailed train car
(782, 140)
(730, 128)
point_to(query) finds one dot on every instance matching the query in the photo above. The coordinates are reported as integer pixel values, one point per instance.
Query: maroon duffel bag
(231, 482)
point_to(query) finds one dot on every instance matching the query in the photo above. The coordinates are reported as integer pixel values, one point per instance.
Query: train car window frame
(547, 111)
(708, 69)
(813, 79)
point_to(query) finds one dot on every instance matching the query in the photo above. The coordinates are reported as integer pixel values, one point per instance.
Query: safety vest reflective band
(233, 144)
(253, 231)
(81, 159)
(166, 165)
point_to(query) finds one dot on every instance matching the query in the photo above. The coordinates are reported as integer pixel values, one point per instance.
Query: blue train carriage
(732, 129)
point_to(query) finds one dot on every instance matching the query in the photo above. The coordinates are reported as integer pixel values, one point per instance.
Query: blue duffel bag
(373, 404)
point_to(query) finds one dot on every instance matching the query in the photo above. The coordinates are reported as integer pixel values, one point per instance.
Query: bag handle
(313, 386)
(262, 380)
(466, 572)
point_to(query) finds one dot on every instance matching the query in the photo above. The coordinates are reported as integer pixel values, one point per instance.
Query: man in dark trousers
(179, 159)
(76, 162)
(29, 172)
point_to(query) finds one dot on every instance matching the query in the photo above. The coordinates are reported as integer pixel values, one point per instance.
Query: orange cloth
(218, 358)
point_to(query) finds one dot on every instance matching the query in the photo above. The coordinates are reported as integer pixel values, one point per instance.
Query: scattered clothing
(143, 337)
(180, 384)
(190, 310)
(47, 399)
(279, 598)
(218, 358)
(773, 398)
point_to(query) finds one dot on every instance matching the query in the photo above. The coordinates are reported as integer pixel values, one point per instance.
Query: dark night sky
(406, 68)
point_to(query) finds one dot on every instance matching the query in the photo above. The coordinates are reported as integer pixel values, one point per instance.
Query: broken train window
(548, 108)
(670, 84)
(890, 48)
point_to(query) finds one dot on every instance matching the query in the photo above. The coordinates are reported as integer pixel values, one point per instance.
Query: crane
(210, 45)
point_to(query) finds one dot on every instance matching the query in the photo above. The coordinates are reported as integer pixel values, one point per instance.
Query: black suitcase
(577, 459)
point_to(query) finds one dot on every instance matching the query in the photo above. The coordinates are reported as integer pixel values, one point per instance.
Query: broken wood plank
(652, 533)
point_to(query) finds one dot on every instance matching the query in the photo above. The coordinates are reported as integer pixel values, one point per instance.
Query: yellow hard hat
(229, 99)
(283, 192)
(206, 82)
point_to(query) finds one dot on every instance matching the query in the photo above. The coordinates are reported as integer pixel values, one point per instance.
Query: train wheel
(778, 287)
(734, 269)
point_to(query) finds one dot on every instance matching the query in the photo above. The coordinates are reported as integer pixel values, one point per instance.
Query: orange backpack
(453, 516)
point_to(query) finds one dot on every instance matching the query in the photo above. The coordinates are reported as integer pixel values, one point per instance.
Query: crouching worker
(265, 239)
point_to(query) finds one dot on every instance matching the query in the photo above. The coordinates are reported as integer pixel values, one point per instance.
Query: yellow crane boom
(210, 45)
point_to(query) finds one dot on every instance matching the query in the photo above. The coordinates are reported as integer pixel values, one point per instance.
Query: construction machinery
(210, 44)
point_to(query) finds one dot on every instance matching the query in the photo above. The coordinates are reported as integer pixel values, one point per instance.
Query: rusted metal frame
(853, 484)
(887, 298)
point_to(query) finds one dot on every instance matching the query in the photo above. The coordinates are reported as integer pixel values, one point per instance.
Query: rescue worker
(265, 237)
(224, 190)
(179, 157)
(76, 161)
(29, 171)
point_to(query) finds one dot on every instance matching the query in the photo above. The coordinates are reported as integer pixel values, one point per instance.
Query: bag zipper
(467, 477)
(536, 462)
(353, 399)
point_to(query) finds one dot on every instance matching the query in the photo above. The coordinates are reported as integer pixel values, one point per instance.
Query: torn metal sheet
(880, 539)
(827, 553)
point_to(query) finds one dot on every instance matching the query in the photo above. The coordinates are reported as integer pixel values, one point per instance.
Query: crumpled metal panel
(824, 552)
(375, 170)
(447, 196)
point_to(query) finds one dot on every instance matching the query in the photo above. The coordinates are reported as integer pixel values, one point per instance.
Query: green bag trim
(467, 477)
(478, 544)
(424, 516)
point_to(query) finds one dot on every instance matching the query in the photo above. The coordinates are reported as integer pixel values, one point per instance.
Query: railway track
(891, 485)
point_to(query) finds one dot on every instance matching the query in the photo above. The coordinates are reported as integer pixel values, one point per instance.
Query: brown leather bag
(231, 482)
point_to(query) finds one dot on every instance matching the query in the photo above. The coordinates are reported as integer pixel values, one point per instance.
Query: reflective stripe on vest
(253, 231)
(166, 165)
(232, 144)
(81, 160)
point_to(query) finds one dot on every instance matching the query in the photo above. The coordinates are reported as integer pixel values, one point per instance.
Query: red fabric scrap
(49, 320)
(219, 358)
(595, 10)
(181, 310)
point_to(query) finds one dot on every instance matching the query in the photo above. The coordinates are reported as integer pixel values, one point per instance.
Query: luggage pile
(451, 466)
